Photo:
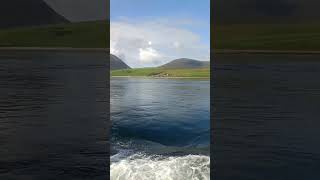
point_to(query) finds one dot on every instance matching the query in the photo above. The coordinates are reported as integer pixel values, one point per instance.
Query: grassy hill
(185, 63)
(303, 37)
(162, 72)
(76, 35)
(188, 68)
(185, 68)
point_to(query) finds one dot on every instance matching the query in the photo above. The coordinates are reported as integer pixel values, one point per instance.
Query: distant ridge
(19, 13)
(185, 63)
(117, 64)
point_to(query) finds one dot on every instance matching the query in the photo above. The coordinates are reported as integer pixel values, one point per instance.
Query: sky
(149, 33)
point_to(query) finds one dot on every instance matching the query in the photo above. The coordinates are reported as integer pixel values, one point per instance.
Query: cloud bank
(155, 42)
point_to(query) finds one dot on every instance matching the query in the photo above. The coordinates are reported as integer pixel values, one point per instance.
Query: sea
(160, 129)
(53, 115)
(266, 117)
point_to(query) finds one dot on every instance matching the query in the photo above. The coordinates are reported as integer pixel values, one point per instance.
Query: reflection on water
(159, 125)
(53, 115)
(266, 117)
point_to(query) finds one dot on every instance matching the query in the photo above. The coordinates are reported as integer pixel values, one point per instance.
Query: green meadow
(161, 72)
(75, 35)
(303, 37)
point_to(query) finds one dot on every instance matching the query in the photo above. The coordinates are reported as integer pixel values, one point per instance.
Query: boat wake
(152, 167)
(139, 159)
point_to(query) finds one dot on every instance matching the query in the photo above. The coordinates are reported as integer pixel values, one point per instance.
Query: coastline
(151, 77)
(53, 49)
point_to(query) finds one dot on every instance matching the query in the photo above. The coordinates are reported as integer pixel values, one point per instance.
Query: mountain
(265, 11)
(81, 10)
(185, 63)
(17, 13)
(116, 63)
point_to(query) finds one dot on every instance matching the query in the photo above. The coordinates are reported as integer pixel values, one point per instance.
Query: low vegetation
(161, 72)
(301, 37)
(75, 35)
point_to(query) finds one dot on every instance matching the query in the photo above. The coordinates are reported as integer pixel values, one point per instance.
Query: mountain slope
(116, 63)
(17, 13)
(81, 10)
(185, 63)
(265, 11)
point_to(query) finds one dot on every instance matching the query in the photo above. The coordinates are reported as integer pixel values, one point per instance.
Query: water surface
(160, 128)
(53, 122)
(266, 117)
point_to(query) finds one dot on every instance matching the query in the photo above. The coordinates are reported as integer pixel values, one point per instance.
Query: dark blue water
(53, 121)
(159, 125)
(266, 117)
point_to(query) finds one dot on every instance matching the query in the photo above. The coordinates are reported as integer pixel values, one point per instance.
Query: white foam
(142, 167)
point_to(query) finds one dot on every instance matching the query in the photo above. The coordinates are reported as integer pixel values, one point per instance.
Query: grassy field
(268, 37)
(76, 35)
(160, 72)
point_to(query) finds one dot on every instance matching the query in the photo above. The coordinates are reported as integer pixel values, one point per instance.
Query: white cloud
(149, 55)
(176, 44)
(152, 43)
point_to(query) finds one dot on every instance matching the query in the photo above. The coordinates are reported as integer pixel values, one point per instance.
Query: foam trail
(142, 167)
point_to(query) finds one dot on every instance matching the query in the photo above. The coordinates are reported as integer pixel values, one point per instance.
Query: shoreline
(53, 49)
(266, 52)
(159, 77)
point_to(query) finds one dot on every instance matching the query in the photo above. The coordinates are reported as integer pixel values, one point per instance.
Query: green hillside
(301, 37)
(161, 72)
(75, 35)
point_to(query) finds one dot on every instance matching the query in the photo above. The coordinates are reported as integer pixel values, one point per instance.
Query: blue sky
(185, 24)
